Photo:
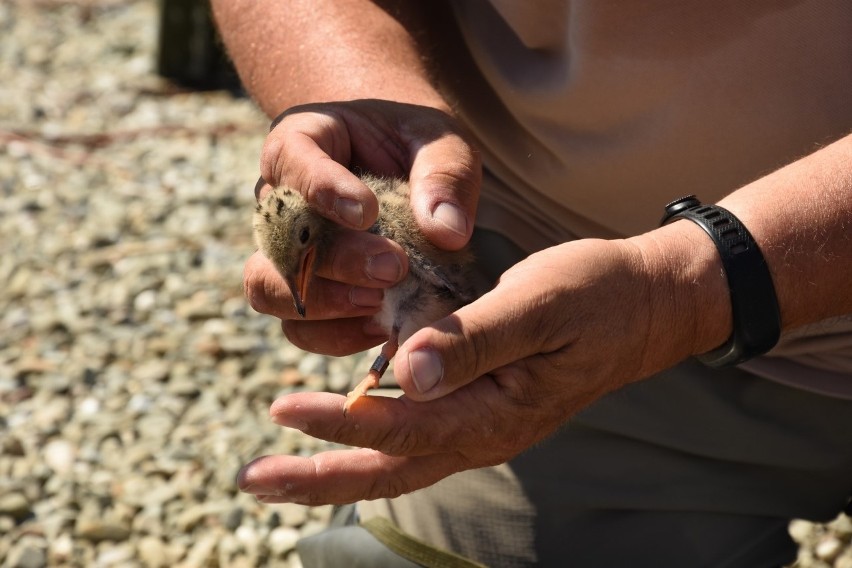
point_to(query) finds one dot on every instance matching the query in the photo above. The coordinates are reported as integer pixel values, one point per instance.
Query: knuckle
(388, 487)
(474, 352)
(254, 287)
(397, 442)
(272, 158)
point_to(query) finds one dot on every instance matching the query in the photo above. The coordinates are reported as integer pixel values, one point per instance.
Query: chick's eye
(304, 235)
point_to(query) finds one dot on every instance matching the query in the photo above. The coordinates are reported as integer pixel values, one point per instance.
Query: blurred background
(134, 378)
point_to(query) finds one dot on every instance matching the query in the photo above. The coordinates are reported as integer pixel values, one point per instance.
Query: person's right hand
(313, 149)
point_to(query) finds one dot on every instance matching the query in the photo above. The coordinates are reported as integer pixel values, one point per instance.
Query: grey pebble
(98, 530)
(15, 505)
(27, 554)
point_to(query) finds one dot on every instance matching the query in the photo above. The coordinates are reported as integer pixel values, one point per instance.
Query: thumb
(445, 179)
(478, 338)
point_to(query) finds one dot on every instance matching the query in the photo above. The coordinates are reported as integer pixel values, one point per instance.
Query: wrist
(754, 304)
(688, 293)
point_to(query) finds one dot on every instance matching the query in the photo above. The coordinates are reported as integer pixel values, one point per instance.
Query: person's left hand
(560, 329)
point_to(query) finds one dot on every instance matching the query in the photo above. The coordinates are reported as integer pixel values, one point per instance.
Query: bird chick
(295, 238)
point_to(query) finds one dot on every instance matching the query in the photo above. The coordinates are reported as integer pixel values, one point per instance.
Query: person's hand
(560, 329)
(312, 149)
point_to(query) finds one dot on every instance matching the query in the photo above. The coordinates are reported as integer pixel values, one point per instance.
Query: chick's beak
(299, 283)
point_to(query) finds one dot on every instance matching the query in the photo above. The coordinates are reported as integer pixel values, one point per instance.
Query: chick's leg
(377, 369)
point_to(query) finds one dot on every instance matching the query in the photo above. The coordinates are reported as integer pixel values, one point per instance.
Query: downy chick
(296, 238)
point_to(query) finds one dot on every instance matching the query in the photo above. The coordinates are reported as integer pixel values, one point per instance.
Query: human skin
(559, 330)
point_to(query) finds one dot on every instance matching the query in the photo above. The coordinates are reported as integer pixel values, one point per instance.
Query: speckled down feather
(438, 281)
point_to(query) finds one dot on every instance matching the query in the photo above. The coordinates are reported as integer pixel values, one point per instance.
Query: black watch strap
(754, 305)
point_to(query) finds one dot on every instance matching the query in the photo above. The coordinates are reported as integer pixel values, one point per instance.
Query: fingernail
(385, 267)
(366, 297)
(452, 217)
(290, 422)
(426, 369)
(350, 211)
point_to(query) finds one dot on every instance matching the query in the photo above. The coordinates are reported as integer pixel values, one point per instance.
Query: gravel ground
(134, 379)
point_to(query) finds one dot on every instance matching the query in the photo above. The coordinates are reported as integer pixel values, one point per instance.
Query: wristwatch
(754, 304)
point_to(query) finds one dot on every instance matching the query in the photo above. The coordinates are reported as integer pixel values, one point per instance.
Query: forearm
(800, 216)
(300, 51)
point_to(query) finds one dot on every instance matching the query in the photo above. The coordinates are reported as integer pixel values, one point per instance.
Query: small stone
(89, 406)
(152, 551)
(152, 371)
(98, 530)
(203, 551)
(200, 306)
(27, 555)
(184, 387)
(234, 518)
(15, 505)
(139, 404)
(247, 536)
(844, 561)
(155, 425)
(340, 382)
(282, 540)
(193, 515)
(842, 525)
(234, 308)
(273, 520)
(800, 530)
(118, 555)
(291, 377)
(828, 548)
(208, 345)
(219, 327)
(321, 513)
(293, 515)
(238, 344)
(145, 301)
(60, 455)
(313, 364)
(61, 549)
(6, 525)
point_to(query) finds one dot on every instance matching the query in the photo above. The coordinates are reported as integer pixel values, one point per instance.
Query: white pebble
(800, 530)
(282, 540)
(247, 536)
(145, 301)
(60, 455)
(89, 406)
(828, 548)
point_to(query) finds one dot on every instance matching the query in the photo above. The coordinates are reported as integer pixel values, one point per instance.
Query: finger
(338, 337)
(446, 176)
(267, 293)
(503, 326)
(401, 427)
(342, 476)
(306, 151)
(364, 259)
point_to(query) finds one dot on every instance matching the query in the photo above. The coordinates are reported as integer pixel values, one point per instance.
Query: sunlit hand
(561, 328)
(312, 149)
